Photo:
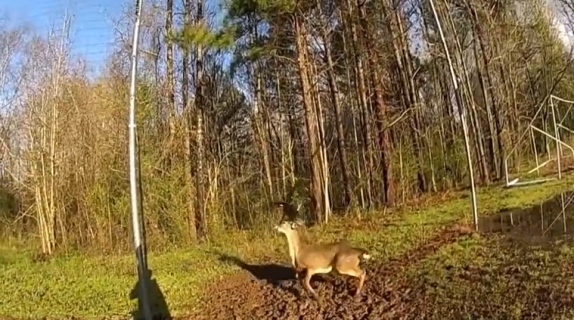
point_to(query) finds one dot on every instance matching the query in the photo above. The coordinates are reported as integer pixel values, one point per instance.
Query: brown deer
(290, 213)
(320, 258)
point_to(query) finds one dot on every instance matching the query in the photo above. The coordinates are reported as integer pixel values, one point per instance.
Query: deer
(290, 212)
(321, 258)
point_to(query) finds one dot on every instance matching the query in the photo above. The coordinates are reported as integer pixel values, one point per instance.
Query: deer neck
(295, 245)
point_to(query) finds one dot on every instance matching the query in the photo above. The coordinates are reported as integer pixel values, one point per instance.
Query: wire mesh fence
(233, 103)
(89, 25)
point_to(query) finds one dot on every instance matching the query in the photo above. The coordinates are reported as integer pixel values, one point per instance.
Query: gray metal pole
(135, 201)
(463, 118)
(557, 135)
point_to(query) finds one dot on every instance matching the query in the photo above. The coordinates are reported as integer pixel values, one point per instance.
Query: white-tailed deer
(320, 258)
(290, 212)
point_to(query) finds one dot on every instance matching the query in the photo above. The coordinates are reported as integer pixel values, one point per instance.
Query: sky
(92, 30)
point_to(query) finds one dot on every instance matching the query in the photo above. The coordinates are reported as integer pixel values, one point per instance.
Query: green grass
(96, 287)
(503, 280)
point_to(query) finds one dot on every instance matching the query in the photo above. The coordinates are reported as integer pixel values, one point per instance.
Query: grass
(503, 280)
(96, 287)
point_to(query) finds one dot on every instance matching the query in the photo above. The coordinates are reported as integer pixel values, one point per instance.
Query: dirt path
(271, 292)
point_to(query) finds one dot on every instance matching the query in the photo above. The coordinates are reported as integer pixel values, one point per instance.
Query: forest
(347, 108)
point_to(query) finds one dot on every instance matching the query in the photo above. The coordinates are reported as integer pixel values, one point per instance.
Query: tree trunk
(261, 132)
(341, 147)
(381, 114)
(409, 92)
(311, 122)
(192, 223)
(492, 108)
(199, 104)
(170, 78)
(361, 90)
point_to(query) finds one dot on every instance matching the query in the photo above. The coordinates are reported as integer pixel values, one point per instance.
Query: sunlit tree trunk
(201, 220)
(311, 122)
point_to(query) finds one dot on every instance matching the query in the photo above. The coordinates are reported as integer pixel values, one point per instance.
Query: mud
(271, 291)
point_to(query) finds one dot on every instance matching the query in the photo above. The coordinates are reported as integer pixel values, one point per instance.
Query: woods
(336, 106)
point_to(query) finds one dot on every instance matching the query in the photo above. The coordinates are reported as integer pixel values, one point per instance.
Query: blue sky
(92, 31)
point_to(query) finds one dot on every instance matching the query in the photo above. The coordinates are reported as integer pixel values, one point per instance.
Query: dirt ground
(523, 270)
(271, 291)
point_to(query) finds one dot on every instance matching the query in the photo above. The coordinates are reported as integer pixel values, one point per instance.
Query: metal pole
(557, 135)
(463, 118)
(541, 219)
(563, 212)
(535, 151)
(135, 201)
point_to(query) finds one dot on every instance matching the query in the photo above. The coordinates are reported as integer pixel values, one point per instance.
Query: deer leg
(297, 271)
(351, 267)
(307, 284)
(361, 282)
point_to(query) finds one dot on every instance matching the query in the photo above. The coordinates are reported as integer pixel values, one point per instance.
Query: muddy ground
(522, 270)
(522, 284)
(271, 292)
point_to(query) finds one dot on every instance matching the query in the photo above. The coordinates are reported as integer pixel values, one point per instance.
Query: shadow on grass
(279, 276)
(158, 306)
(273, 273)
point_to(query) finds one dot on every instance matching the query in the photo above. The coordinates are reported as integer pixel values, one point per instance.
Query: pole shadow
(146, 290)
(158, 306)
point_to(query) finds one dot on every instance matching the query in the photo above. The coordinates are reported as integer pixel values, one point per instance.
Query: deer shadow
(279, 276)
(273, 273)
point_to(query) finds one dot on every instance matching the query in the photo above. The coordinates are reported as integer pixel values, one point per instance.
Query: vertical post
(141, 211)
(462, 116)
(535, 151)
(564, 205)
(133, 172)
(542, 218)
(506, 171)
(557, 139)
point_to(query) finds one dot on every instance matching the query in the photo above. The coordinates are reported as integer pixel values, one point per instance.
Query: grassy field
(95, 287)
(503, 280)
